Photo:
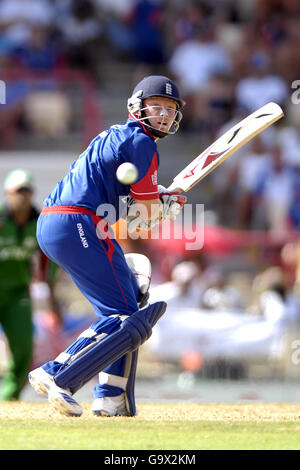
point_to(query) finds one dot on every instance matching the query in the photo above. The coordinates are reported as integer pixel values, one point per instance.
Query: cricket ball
(127, 173)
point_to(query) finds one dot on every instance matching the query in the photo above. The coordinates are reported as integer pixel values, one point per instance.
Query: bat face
(226, 145)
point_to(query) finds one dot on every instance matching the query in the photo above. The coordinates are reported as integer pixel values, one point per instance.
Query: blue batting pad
(130, 387)
(133, 332)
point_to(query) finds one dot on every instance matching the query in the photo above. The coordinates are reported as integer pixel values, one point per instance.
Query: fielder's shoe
(110, 406)
(61, 399)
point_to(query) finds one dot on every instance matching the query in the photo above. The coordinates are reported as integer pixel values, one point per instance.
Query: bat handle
(174, 189)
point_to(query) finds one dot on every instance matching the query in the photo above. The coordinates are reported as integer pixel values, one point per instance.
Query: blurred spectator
(266, 10)
(256, 162)
(183, 291)
(11, 113)
(196, 60)
(40, 52)
(276, 301)
(194, 63)
(82, 33)
(116, 23)
(117, 8)
(47, 113)
(189, 17)
(214, 105)
(287, 54)
(290, 261)
(18, 218)
(146, 22)
(218, 293)
(288, 138)
(294, 212)
(235, 182)
(261, 85)
(275, 191)
(18, 17)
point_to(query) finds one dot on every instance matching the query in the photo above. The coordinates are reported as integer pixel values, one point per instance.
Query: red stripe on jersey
(65, 210)
(132, 116)
(147, 188)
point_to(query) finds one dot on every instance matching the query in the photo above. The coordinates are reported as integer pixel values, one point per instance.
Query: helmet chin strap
(152, 130)
(155, 132)
(158, 133)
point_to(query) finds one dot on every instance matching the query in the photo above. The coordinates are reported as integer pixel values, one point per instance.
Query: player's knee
(140, 324)
(141, 268)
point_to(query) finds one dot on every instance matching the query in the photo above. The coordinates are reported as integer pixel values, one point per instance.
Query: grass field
(159, 426)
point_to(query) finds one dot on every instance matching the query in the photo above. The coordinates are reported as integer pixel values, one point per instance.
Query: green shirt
(17, 246)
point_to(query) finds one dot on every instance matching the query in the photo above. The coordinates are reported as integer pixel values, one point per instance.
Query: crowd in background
(229, 57)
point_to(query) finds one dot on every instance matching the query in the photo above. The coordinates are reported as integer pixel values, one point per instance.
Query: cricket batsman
(74, 231)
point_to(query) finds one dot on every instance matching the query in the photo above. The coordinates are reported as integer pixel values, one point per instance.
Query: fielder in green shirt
(18, 249)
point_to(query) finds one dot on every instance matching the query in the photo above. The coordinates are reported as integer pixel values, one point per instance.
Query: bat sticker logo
(234, 134)
(239, 129)
(263, 115)
(209, 159)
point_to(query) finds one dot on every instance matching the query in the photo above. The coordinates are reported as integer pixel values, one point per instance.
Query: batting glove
(133, 218)
(172, 203)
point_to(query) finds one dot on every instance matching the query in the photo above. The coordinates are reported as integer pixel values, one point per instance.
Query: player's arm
(144, 199)
(162, 207)
(142, 213)
(145, 214)
(149, 202)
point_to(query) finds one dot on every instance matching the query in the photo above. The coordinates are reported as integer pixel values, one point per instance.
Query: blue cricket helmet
(158, 85)
(155, 85)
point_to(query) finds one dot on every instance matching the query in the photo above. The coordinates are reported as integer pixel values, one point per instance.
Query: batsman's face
(160, 112)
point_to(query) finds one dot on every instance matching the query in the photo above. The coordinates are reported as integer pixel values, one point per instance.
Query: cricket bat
(225, 146)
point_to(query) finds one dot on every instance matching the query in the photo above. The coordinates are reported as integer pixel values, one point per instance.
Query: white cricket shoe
(40, 381)
(63, 402)
(110, 406)
(61, 399)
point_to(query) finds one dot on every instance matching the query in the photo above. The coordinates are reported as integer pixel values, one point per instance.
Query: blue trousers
(80, 242)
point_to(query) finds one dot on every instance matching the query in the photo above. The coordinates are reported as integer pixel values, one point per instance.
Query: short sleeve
(146, 188)
(142, 152)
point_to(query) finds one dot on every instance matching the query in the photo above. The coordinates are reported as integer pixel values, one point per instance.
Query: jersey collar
(131, 116)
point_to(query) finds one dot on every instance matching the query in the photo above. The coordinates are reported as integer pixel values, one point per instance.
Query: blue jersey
(91, 181)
